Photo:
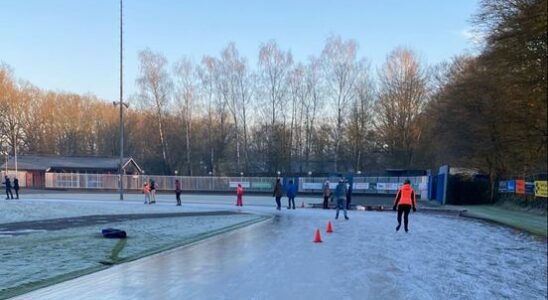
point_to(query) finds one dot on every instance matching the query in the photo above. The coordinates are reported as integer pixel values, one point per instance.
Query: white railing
(361, 185)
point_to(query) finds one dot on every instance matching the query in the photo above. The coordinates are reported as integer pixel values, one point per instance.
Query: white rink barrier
(361, 185)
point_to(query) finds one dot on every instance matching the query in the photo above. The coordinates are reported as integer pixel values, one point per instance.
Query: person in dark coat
(152, 187)
(340, 195)
(278, 193)
(178, 192)
(291, 193)
(8, 188)
(16, 187)
(348, 194)
(326, 194)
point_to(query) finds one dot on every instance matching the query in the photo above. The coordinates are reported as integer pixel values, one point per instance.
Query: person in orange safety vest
(405, 200)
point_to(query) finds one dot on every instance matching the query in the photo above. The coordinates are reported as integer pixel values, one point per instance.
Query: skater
(340, 195)
(8, 188)
(146, 191)
(239, 195)
(278, 193)
(16, 187)
(152, 188)
(405, 199)
(326, 194)
(291, 193)
(178, 192)
(348, 194)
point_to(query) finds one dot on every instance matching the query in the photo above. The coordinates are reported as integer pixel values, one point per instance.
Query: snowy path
(441, 258)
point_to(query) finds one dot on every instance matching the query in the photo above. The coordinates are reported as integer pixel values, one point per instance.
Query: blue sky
(68, 45)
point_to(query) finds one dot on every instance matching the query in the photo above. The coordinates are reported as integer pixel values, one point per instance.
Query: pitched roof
(46, 162)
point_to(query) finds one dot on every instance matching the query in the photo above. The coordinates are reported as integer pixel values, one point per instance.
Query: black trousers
(178, 196)
(8, 193)
(348, 200)
(278, 202)
(404, 209)
(326, 202)
(17, 193)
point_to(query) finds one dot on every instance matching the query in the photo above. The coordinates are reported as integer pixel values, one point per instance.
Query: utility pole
(121, 108)
(122, 104)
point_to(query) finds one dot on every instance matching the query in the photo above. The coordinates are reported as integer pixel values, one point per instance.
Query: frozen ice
(442, 257)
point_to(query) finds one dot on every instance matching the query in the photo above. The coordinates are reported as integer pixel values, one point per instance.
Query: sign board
(530, 188)
(541, 189)
(502, 186)
(312, 185)
(394, 186)
(510, 186)
(388, 186)
(234, 184)
(520, 186)
(261, 185)
(361, 185)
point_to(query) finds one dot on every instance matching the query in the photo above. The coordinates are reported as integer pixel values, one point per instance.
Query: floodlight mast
(120, 182)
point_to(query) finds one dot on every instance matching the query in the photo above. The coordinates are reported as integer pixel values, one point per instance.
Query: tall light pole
(122, 104)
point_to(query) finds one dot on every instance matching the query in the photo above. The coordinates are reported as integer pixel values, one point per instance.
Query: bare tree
(298, 94)
(274, 67)
(155, 88)
(340, 68)
(207, 80)
(360, 118)
(16, 98)
(312, 103)
(402, 95)
(234, 85)
(186, 94)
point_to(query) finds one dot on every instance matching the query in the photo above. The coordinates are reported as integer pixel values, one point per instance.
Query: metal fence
(361, 185)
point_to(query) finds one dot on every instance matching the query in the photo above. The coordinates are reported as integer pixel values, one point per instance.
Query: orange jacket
(146, 189)
(406, 196)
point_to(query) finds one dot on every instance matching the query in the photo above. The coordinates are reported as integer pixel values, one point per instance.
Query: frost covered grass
(39, 258)
(536, 224)
(28, 210)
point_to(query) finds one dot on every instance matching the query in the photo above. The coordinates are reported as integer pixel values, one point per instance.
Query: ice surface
(442, 257)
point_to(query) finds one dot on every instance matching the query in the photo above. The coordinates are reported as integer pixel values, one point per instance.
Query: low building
(31, 169)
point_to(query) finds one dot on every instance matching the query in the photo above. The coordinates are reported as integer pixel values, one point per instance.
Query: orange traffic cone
(302, 204)
(329, 227)
(318, 238)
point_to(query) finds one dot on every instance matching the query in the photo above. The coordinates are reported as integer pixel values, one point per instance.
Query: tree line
(330, 113)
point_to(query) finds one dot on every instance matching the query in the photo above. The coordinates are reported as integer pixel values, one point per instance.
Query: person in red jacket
(239, 195)
(405, 199)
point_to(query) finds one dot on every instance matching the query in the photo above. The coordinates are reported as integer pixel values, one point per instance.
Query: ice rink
(442, 257)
